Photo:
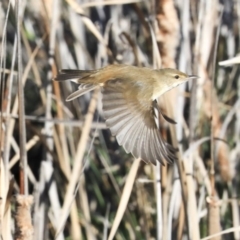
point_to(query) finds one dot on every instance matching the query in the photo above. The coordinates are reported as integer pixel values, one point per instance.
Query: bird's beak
(193, 76)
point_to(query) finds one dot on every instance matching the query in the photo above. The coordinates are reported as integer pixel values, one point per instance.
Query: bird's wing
(82, 89)
(132, 121)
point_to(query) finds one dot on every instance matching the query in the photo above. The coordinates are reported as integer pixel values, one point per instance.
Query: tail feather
(67, 74)
(76, 71)
(79, 76)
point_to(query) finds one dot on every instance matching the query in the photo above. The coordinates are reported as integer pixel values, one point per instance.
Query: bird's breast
(160, 87)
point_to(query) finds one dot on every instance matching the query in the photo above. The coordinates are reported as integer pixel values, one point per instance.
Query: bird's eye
(177, 77)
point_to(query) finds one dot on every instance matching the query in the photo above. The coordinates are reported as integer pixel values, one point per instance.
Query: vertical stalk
(22, 129)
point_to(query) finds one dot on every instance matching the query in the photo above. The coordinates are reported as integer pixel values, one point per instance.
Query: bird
(129, 102)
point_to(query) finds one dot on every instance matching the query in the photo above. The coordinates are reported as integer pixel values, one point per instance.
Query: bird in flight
(130, 108)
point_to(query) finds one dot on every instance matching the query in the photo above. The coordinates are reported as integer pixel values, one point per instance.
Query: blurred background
(84, 186)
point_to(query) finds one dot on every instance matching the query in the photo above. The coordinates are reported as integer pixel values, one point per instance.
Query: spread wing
(132, 121)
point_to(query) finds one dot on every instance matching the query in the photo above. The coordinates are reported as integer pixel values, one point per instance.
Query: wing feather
(117, 125)
(144, 145)
(133, 132)
(132, 122)
(152, 147)
(131, 139)
(127, 131)
(138, 143)
(80, 92)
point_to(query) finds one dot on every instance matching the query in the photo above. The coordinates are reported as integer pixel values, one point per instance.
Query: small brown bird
(129, 105)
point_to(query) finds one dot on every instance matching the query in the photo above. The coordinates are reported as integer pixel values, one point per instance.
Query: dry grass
(84, 185)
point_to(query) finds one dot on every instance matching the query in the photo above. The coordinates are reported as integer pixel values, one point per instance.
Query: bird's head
(174, 77)
(168, 78)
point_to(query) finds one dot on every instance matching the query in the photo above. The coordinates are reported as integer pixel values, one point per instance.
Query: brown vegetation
(60, 153)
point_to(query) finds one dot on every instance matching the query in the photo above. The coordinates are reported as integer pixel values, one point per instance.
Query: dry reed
(84, 185)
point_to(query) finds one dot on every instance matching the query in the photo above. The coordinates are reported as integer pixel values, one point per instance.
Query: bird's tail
(81, 77)
(74, 75)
